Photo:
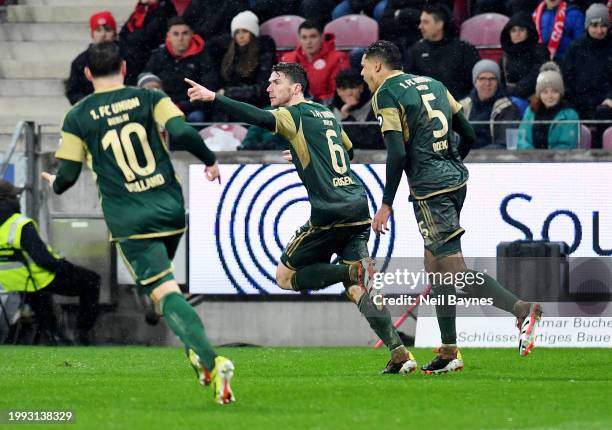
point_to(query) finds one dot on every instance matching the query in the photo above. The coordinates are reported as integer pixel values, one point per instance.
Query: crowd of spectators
(219, 44)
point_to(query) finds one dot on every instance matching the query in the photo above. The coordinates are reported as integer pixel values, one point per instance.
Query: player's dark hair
(348, 78)
(177, 20)
(294, 71)
(309, 25)
(387, 52)
(104, 59)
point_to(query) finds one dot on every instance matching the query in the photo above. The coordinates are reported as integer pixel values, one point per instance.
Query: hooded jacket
(171, 68)
(520, 63)
(322, 69)
(587, 72)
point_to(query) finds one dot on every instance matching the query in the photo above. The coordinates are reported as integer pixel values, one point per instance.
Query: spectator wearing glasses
(488, 102)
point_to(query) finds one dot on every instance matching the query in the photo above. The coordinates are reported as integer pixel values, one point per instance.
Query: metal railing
(31, 186)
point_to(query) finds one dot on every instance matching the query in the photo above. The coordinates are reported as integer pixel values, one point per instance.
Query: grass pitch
(309, 388)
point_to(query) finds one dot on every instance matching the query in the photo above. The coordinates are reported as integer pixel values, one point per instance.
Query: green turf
(310, 388)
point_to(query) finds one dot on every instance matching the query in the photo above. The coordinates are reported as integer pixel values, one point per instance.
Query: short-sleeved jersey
(421, 108)
(118, 133)
(319, 148)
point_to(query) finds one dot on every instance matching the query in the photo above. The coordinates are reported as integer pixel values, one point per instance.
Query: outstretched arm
(243, 112)
(66, 176)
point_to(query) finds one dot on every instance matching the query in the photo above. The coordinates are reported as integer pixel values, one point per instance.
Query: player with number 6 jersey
(339, 222)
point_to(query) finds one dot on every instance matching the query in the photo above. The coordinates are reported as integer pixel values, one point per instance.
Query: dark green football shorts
(149, 260)
(438, 220)
(310, 245)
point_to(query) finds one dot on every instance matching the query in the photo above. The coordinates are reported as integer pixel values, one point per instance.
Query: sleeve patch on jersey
(71, 148)
(389, 120)
(285, 125)
(301, 148)
(346, 141)
(455, 105)
(165, 110)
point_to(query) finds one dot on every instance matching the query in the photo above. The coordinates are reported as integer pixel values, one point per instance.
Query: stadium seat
(460, 11)
(607, 139)
(283, 29)
(223, 137)
(585, 137)
(353, 31)
(484, 31)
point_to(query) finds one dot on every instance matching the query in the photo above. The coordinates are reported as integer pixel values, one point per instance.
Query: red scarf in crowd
(137, 18)
(557, 31)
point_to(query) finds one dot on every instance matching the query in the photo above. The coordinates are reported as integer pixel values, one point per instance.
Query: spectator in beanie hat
(103, 28)
(548, 105)
(488, 101)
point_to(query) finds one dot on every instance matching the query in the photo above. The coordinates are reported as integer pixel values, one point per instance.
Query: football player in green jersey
(416, 116)
(117, 131)
(340, 219)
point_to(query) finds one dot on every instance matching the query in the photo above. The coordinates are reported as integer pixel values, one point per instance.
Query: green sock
(380, 321)
(320, 275)
(446, 313)
(184, 321)
(485, 286)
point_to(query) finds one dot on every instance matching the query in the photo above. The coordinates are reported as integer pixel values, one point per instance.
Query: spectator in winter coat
(373, 8)
(488, 102)
(142, 33)
(244, 60)
(318, 56)
(548, 105)
(587, 70)
(210, 18)
(400, 21)
(558, 24)
(352, 104)
(103, 29)
(523, 55)
(182, 57)
(266, 9)
(440, 54)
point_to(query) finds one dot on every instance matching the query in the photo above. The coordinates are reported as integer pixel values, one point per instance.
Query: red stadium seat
(484, 31)
(284, 30)
(353, 31)
(223, 137)
(607, 139)
(585, 137)
(460, 11)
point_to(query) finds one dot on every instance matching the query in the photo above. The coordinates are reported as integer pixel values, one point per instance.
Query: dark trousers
(71, 281)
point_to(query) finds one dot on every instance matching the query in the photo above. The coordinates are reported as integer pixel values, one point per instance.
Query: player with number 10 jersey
(116, 134)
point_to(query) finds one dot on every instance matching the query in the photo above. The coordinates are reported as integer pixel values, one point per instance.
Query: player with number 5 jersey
(340, 220)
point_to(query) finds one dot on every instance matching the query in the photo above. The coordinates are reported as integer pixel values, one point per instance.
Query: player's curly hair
(294, 71)
(387, 52)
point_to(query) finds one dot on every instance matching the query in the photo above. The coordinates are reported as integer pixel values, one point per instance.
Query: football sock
(320, 275)
(446, 313)
(380, 321)
(490, 288)
(184, 321)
